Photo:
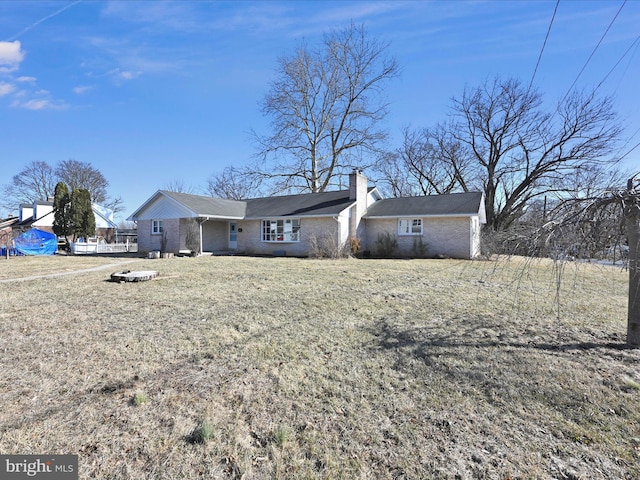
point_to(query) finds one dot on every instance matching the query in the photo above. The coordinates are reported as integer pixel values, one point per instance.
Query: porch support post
(200, 227)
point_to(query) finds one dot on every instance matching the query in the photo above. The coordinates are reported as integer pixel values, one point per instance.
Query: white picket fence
(87, 248)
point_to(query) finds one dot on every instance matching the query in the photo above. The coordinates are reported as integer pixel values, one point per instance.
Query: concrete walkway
(74, 272)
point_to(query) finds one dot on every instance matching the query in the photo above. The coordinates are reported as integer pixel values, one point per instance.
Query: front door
(233, 235)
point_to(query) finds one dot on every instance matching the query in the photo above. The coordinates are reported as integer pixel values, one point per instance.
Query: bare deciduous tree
(179, 186)
(393, 178)
(501, 141)
(430, 161)
(76, 174)
(326, 106)
(37, 181)
(588, 236)
(234, 184)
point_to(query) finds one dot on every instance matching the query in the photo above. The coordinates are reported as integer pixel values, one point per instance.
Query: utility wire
(535, 70)
(632, 148)
(593, 52)
(618, 62)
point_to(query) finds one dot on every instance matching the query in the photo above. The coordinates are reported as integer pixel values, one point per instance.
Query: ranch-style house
(435, 225)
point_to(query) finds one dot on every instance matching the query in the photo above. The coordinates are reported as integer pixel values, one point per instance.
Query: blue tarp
(36, 242)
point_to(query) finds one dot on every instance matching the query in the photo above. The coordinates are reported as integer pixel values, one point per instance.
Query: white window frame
(410, 226)
(156, 227)
(280, 230)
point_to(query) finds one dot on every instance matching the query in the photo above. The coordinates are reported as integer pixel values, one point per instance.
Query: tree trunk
(632, 214)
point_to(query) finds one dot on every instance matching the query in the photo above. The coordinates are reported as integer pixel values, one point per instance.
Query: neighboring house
(40, 215)
(447, 225)
(6, 231)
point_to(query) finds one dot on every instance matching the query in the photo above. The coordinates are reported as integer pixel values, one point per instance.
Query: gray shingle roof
(328, 204)
(441, 205)
(308, 204)
(209, 206)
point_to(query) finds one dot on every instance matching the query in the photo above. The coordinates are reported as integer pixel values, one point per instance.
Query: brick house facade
(293, 224)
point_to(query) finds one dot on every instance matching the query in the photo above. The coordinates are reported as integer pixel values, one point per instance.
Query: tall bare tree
(515, 151)
(430, 161)
(179, 186)
(234, 183)
(76, 174)
(325, 105)
(37, 181)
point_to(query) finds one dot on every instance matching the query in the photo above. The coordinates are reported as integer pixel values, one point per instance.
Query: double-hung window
(156, 227)
(410, 226)
(281, 230)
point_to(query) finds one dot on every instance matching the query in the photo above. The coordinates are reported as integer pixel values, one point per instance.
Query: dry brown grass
(232, 367)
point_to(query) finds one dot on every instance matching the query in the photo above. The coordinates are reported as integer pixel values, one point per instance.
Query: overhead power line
(632, 148)
(593, 52)
(535, 70)
(618, 62)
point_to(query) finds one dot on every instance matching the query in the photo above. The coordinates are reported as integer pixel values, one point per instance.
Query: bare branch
(325, 108)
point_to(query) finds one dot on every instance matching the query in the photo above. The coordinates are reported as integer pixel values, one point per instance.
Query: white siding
(44, 216)
(162, 208)
(26, 212)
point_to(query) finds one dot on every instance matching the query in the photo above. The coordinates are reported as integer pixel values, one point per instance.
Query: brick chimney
(358, 184)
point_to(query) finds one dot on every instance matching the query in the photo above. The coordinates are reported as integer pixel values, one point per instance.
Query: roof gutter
(423, 215)
(220, 217)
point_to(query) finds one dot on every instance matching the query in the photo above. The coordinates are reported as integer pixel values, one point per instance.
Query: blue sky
(153, 92)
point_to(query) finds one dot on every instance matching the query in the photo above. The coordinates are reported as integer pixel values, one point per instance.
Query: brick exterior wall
(441, 236)
(148, 242)
(457, 237)
(143, 229)
(250, 238)
(214, 236)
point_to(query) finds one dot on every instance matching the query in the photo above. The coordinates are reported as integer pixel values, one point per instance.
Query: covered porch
(209, 236)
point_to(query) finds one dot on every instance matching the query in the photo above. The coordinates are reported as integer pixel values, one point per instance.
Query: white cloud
(35, 100)
(32, 104)
(6, 88)
(11, 55)
(82, 89)
(128, 75)
(39, 104)
(25, 79)
(122, 75)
